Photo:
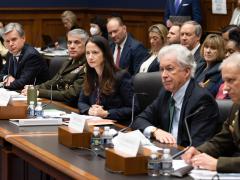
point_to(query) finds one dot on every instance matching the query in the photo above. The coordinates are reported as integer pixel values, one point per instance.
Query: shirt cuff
(148, 131)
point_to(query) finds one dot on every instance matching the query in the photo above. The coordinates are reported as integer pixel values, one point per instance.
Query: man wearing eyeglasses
(179, 98)
(66, 84)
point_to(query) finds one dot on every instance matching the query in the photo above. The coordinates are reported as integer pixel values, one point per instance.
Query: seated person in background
(69, 20)
(225, 31)
(128, 53)
(173, 36)
(66, 84)
(98, 27)
(213, 52)
(3, 49)
(232, 46)
(107, 92)
(181, 97)
(221, 153)
(235, 19)
(24, 65)
(157, 34)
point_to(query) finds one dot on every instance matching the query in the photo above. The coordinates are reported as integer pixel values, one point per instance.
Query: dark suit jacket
(66, 84)
(117, 104)
(31, 66)
(186, 8)
(225, 145)
(202, 126)
(153, 67)
(132, 55)
(213, 74)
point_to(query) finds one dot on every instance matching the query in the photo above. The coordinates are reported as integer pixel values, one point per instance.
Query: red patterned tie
(118, 56)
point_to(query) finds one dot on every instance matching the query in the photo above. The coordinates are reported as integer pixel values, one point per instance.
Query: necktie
(15, 65)
(171, 112)
(118, 56)
(177, 3)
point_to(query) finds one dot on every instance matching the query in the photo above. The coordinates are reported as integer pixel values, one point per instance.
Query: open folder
(36, 121)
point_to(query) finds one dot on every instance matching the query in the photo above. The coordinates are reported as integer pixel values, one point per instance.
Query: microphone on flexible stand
(188, 133)
(133, 109)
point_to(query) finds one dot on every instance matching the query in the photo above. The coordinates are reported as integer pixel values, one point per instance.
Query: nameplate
(4, 97)
(77, 122)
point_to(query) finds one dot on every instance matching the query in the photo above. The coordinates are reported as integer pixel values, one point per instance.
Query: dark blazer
(202, 126)
(225, 145)
(66, 84)
(118, 104)
(213, 74)
(132, 55)
(153, 67)
(31, 66)
(190, 8)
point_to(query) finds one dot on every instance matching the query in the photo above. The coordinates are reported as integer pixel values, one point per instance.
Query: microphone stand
(188, 133)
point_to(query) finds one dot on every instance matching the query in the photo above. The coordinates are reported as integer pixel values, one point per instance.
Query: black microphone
(132, 118)
(188, 133)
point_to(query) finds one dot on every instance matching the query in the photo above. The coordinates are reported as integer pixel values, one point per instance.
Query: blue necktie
(15, 65)
(177, 3)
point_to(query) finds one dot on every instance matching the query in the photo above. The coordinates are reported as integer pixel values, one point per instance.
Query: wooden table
(34, 153)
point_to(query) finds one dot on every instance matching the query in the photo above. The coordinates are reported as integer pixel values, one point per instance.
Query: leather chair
(148, 83)
(55, 63)
(224, 107)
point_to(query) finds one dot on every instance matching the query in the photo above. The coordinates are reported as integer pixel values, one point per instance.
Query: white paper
(4, 97)
(206, 174)
(54, 113)
(179, 163)
(219, 7)
(36, 121)
(77, 122)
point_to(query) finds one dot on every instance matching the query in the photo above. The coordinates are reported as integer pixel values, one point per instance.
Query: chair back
(148, 83)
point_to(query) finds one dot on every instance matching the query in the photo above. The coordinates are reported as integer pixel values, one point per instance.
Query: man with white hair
(221, 153)
(180, 98)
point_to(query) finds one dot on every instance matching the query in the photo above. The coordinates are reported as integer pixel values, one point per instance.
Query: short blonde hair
(161, 30)
(214, 41)
(70, 16)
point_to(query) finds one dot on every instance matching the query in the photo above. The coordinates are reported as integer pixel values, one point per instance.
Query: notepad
(36, 121)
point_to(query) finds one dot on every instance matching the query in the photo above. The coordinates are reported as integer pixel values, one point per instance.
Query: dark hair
(108, 75)
(229, 28)
(234, 35)
(101, 22)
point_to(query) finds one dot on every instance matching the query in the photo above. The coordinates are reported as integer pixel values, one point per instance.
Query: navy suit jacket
(213, 74)
(186, 8)
(202, 125)
(31, 66)
(132, 55)
(118, 104)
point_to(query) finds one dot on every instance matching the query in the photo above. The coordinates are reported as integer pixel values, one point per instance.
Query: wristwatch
(153, 132)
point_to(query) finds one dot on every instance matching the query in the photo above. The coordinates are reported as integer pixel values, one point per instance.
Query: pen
(206, 82)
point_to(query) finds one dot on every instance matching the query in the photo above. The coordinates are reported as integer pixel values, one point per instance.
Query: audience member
(25, 65)
(157, 34)
(173, 36)
(190, 35)
(180, 97)
(221, 153)
(232, 46)
(107, 92)
(209, 75)
(67, 83)
(3, 49)
(98, 27)
(69, 20)
(225, 31)
(182, 10)
(128, 53)
(236, 15)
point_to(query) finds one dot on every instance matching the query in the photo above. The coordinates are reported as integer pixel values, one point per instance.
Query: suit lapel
(187, 95)
(125, 51)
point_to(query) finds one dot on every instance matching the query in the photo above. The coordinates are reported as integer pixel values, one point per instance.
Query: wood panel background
(38, 21)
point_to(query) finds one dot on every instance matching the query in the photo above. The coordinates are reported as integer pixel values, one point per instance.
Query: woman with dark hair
(107, 92)
(98, 27)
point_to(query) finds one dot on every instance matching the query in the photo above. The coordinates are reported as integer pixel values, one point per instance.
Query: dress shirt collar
(195, 49)
(179, 95)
